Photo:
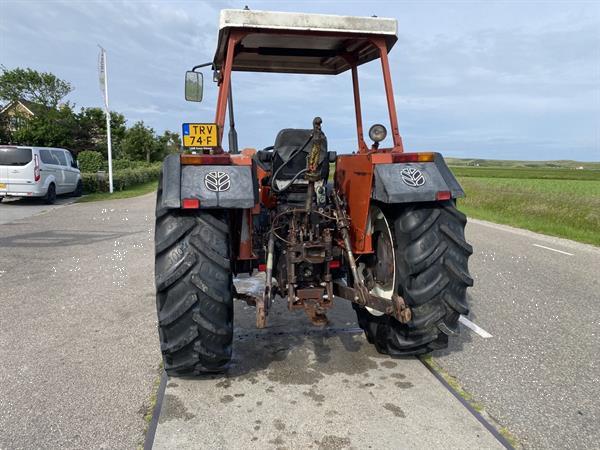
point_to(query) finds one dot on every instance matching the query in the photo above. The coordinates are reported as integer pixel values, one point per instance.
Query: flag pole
(104, 74)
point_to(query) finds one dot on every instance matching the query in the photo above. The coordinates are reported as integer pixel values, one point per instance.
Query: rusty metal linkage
(361, 295)
(396, 307)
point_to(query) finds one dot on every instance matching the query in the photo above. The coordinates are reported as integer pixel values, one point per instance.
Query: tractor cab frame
(257, 41)
(385, 235)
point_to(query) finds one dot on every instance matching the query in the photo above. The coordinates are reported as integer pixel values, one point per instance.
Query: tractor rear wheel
(427, 264)
(194, 290)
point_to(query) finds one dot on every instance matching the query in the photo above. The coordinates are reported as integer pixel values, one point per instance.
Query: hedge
(122, 179)
(90, 161)
(121, 164)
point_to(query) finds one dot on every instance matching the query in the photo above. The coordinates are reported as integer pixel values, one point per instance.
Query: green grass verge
(148, 411)
(133, 191)
(456, 387)
(560, 207)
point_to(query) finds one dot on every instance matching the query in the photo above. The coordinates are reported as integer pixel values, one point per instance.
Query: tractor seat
(292, 146)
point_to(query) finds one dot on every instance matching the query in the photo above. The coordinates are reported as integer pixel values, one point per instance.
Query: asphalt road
(79, 349)
(540, 372)
(78, 340)
(12, 209)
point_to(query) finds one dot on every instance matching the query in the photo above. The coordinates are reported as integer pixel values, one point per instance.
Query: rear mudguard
(415, 182)
(235, 186)
(362, 178)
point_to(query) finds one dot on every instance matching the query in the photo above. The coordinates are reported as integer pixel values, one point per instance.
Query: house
(14, 114)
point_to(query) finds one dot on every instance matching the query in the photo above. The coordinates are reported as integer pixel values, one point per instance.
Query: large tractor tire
(194, 290)
(427, 264)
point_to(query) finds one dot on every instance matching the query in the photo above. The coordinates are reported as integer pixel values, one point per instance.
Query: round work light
(377, 133)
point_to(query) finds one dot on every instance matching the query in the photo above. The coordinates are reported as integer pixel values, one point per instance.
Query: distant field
(501, 163)
(555, 201)
(527, 173)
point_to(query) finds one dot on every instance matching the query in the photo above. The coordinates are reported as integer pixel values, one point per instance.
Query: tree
(170, 141)
(140, 143)
(43, 88)
(92, 131)
(54, 128)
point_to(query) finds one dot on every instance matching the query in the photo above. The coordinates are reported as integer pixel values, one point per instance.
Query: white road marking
(553, 249)
(474, 327)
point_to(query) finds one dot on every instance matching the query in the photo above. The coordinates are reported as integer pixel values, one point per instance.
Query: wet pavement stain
(277, 441)
(395, 409)
(173, 409)
(225, 384)
(331, 442)
(226, 399)
(403, 384)
(314, 395)
(389, 364)
(238, 395)
(290, 363)
(279, 425)
(400, 376)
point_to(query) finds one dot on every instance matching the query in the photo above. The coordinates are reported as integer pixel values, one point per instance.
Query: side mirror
(193, 86)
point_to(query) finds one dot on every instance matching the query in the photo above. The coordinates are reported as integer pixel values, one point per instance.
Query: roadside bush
(120, 164)
(122, 179)
(90, 161)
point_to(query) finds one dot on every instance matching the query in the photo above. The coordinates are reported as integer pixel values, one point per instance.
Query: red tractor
(385, 234)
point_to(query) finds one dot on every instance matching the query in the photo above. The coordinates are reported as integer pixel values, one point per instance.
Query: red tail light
(413, 157)
(36, 168)
(190, 203)
(335, 264)
(262, 267)
(443, 195)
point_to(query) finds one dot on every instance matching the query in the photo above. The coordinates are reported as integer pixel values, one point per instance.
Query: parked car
(38, 172)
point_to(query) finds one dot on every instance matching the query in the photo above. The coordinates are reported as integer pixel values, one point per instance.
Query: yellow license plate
(2, 185)
(200, 135)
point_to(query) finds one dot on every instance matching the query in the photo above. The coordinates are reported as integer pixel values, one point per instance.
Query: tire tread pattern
(194, 297)
(432, 270)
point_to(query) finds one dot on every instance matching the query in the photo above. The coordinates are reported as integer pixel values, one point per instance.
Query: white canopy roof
(299, 42)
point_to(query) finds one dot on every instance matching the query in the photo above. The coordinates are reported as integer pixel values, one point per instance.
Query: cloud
(487, 79)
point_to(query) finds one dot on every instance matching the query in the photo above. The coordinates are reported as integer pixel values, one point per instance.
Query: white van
(38, 172)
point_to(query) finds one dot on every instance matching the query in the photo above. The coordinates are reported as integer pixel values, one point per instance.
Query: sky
(502, 80)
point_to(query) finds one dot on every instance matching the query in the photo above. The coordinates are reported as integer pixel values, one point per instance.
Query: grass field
(507, 163)
(563, 202)
(133, 191)
(527, 173)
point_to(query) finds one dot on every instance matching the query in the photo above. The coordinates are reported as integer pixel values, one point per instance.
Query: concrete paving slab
(296, 386)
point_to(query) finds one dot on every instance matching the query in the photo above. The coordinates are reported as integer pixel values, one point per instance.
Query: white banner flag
(102, 76)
